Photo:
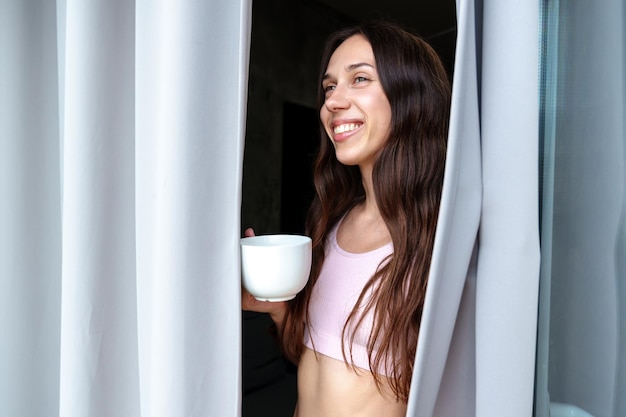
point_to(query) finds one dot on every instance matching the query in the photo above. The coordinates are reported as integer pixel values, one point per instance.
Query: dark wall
(286, 47)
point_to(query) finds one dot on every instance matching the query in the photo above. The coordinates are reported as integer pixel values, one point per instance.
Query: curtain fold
(508, 261)
(457, 230)
(98, 363)
(30, 204)
(119, 271)
(477, 340)
(189, 203)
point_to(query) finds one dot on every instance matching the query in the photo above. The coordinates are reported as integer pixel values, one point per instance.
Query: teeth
(346, 127)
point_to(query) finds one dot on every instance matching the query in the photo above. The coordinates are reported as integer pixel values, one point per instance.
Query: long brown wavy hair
(407, 178)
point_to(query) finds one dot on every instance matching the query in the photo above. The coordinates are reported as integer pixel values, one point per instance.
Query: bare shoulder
(328, 387)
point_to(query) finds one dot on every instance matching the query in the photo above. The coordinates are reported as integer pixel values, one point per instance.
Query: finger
(249, 232)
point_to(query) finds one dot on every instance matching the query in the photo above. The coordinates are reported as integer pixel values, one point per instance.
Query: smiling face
(356, 113)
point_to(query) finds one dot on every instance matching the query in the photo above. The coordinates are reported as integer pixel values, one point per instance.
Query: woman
(384, 107)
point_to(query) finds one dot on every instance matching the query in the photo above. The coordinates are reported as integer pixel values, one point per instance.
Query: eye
(360, 79)
(328, 88)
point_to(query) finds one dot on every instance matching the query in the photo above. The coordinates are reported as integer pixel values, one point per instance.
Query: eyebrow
(352, 67)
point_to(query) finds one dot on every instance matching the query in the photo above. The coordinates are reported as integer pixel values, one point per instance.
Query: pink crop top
(336, 291)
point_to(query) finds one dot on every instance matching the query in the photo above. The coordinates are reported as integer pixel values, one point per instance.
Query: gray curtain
(476, 350)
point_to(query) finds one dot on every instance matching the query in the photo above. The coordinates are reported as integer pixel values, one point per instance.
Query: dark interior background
(281, 138)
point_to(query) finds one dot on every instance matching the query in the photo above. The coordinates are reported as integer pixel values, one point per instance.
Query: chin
(347, 161)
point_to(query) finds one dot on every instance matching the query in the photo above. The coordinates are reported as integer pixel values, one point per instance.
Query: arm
(276, 310)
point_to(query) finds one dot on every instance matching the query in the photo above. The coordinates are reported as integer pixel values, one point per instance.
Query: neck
(370, 206)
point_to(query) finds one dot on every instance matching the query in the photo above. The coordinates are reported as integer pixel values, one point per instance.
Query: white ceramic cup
(275, 267)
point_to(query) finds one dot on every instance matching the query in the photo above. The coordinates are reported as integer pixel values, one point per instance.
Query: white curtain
(119, 229)
(476, 352)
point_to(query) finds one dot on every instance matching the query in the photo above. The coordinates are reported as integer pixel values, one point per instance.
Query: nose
(337, 99)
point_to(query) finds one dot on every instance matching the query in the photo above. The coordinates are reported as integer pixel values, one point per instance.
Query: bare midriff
(329, 387)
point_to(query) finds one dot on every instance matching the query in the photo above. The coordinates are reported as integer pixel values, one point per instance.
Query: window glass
(581, 364)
